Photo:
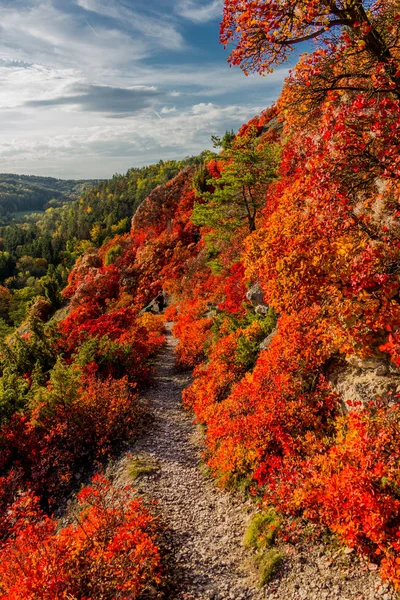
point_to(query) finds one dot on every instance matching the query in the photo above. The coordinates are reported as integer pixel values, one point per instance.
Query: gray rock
(358, 381)
(255, 295)
(261, 309)
(266, 343)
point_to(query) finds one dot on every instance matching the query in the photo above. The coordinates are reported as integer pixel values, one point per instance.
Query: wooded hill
(30, 193)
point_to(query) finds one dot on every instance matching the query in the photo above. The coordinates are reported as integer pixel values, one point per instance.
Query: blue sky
(94, 87)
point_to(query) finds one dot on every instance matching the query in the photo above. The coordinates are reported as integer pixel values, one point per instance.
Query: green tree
(239, 193)
(13, 390)
(225, 142)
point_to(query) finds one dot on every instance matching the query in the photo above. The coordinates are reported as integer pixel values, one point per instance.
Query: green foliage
(139, 466)
(249, 347)
(262, 530)
(5, 330)
(112, 255)
(260, 537)
(87, 352)
(238, 194)
(225, 142)
(35, 344)
(269, 564)
(62, 390)
(13, 390)
(51, 289)
(200, 180)
(27, 193)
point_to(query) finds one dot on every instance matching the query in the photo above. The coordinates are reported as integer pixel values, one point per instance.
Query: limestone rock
(255, 295)
(359, 381)
(265, 343)
(261, 309)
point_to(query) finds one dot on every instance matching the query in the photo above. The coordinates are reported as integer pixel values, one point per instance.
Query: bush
(110, 553)
(51, 443)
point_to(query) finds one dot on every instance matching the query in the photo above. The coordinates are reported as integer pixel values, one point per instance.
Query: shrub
(110, 552)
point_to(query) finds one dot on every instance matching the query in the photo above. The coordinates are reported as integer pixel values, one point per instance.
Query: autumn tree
(265, 31)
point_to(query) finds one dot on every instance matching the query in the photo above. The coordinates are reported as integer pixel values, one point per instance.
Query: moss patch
(141, 466)
(262, 530)
(260, 537)
(268, 564)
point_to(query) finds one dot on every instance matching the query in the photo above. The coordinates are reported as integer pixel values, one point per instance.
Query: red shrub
(110, 553)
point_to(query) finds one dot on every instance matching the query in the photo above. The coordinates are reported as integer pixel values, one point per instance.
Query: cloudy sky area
(94, 87)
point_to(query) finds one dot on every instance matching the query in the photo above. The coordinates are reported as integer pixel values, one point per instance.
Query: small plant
(268, 564)
(260, 537)
(262, 530)
(112, 255)
(140, 466)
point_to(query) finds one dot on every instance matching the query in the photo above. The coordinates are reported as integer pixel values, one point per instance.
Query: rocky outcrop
(274, 124)
(266, 343)
(359, 381)
(255, 295)
(90, 260)
(158, 304)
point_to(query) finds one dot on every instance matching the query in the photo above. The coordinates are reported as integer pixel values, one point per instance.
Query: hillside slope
(30, 193)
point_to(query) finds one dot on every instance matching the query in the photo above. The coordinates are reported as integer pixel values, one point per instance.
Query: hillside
(38, 251)
(276, 260)
(26, 193)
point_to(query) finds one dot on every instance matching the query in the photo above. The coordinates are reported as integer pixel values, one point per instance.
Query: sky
(90, 88)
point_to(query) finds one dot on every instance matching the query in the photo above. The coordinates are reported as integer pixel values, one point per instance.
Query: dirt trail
(206, 525)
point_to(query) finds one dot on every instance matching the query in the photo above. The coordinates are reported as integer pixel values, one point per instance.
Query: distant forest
(30, 193)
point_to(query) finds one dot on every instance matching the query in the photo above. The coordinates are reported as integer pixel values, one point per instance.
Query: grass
(260, 537)
(262, 530)
(139, 467)
(269, 564)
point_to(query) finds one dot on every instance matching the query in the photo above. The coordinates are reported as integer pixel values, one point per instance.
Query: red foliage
(110, 553)
(326, 256)
(350, 486)
(50, 445)
(193, 331)
(234, 290)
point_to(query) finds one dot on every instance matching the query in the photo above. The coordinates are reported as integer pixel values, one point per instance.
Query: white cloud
(22, 82)
(44, 33)
(67, 66)
(98, 151)
(195, 11)
(155, 29)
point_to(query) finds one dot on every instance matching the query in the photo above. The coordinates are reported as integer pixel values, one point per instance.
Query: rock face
(359, 381)
(90, 259)
(41, 309)
(155, 306)
(255, 295)
(273, 125)
(266, 343)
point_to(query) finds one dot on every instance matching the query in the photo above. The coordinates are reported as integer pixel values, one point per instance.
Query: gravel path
(205, 526)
